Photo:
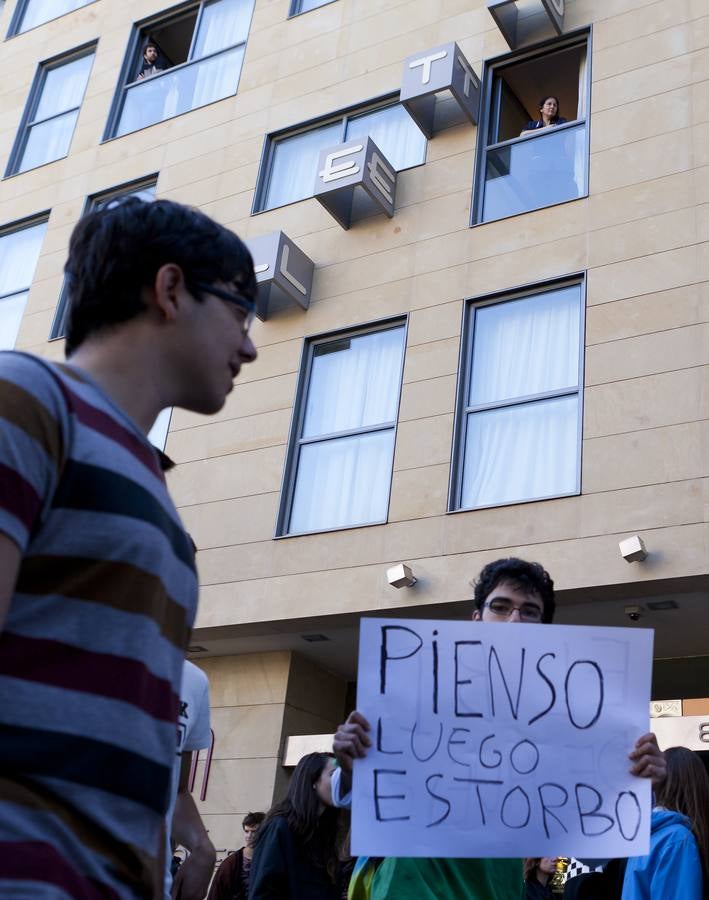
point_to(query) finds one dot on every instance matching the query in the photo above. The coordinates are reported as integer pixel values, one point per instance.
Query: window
(145, 190)
(198, 58)
(301, 6)
(521, 172)
(19, 251)
(291, 158)
(52, 110)
(340, 464)
(158, 433)
(519, 421)
(30, 13)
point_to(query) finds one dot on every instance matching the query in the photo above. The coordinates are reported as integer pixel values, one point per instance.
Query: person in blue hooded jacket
(677, 866)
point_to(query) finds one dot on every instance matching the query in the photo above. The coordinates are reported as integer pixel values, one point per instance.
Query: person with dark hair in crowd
(161, 298)
(537, 877)
(231, 881)
(296, 856)
(507, 591)
(548, 116)
(677, 867)
(151, 63)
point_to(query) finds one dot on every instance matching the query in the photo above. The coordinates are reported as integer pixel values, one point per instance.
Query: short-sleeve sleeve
(33, 437)
(195, 694)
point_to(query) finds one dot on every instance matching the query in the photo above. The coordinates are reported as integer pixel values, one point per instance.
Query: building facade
(474, 342)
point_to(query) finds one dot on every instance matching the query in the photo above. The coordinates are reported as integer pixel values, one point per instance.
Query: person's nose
(248, 351)
(515, 610)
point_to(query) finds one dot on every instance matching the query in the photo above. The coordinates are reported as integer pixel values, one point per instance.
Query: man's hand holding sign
(499, 742)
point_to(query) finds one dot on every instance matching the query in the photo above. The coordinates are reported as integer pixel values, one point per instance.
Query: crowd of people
(98, 595)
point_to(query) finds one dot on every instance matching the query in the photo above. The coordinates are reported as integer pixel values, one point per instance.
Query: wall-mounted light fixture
(400, 576)
(632, 549)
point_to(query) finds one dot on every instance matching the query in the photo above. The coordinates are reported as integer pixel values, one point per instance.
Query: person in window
(537, 878)
(152, 64)
(548, 116)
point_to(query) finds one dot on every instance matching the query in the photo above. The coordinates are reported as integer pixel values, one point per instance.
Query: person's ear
(168, 286)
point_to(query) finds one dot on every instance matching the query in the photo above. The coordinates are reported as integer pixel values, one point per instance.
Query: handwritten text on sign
(494, 740)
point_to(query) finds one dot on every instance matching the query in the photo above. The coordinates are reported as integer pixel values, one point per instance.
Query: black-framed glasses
(248, 307)
(528, 612)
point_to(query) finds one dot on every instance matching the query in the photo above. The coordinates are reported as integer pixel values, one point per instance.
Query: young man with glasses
(98, 586)
(506, 591)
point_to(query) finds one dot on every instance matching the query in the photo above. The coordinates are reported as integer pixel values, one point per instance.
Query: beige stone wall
(257, 700)
(642, 235)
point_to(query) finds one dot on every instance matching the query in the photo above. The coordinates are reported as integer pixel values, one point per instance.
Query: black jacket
(535, 890)
(282, 871)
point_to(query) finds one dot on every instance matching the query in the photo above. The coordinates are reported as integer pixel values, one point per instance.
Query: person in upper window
(152, 64)
(548, 115)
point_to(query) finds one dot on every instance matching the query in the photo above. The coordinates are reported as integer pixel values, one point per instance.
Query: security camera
(634, 613)
(401, 576)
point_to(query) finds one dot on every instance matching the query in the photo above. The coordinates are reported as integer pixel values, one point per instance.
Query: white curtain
(11, 310)
(224, 23)
(356, 386)
(48, 141)
(19, 252)
(64, 87)
(39, 11)
(393, 130)
(216, 78)
(294, 162)
(526, 346)
(521, 452)
(343, 482)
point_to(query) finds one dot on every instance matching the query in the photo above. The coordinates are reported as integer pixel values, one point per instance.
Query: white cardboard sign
(492, 741)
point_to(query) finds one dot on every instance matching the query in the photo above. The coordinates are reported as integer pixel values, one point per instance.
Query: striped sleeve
(33, 422)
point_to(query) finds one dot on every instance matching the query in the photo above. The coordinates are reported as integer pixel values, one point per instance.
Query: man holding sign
(497, 747)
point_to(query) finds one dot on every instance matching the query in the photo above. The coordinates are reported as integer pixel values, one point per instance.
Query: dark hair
(558, 105)
(686, 790)
(315, 828)
(531, 864)
(116, 251)
(528, 577)
(150, 43)
(252, 819)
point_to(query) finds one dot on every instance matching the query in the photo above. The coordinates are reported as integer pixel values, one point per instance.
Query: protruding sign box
(354, 181)
(439, 88)
(519, 29)
(284, 273)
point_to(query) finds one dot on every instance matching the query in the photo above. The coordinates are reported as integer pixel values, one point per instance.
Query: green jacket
(439, 879)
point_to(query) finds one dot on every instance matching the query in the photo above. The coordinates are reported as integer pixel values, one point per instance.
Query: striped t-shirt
(92, 650)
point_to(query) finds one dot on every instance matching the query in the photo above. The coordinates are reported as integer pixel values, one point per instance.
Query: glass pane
(19, 251)
(39, 11)
(158, 433)
(11, 309)
(307, 5)
(180, 90)
(541, 170)
(294, 162)
(146, 193)
(393, 130)
(48, 141)
(521, 453)
(63, 87)
(343, 482)
(224, 23)
(526, 346)
(354, 383)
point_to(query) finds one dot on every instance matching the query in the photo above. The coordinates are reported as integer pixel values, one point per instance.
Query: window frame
(134, 41)
(345, 114)
(290, 469)
(465, 366)
(19, 14)
(33, 98)
(488, 106)
(90, 202)
(40, 218)
(294, 9)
